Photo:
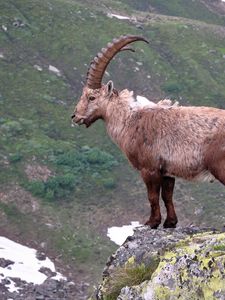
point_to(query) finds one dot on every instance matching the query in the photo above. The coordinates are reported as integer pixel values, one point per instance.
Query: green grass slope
(76, 179)
(196, 10)
(212, 12)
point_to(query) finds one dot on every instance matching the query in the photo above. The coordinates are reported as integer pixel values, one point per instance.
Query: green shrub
(88, 157)
(63, 181)
(220, 247)
(76, 165)
(49, 194)
(37, 188)
(54, 188)
(15, 157)
(96, 156)
(71, 158)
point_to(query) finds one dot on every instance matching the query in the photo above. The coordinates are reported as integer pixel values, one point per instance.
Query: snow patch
(119, 234)
(1, 55)
(54, 70)
(25, 264)
(120, 17)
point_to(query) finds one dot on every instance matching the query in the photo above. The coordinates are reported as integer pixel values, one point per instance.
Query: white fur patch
(204, 176)
(143, 102)
(140, 102)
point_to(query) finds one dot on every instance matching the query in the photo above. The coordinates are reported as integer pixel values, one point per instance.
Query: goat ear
(109, 88)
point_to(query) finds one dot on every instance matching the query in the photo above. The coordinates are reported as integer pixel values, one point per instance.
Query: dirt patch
(35, 171)
(20, 198)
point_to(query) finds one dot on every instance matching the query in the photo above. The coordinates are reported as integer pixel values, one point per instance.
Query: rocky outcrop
(186, 263)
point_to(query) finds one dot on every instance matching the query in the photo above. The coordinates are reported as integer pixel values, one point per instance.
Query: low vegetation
(129, 275)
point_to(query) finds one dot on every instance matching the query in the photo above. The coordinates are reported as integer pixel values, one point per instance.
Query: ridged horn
(102, 59)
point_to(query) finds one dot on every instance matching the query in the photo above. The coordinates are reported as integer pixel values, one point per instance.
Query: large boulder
(183, 263)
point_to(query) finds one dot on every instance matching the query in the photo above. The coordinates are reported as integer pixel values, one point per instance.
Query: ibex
(162, 142)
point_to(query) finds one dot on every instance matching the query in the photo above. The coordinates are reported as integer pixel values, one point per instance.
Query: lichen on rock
(183, 263)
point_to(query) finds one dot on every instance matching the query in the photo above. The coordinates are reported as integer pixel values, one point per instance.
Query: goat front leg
(153, 182)
(167, 196)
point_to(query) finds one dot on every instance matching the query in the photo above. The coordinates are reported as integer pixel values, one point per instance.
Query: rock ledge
(182, 263)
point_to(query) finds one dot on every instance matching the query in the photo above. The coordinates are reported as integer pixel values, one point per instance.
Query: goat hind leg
(215, 159)
(218, 170)
(167, 196)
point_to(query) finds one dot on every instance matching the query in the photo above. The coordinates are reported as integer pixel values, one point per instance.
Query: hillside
(61, 187)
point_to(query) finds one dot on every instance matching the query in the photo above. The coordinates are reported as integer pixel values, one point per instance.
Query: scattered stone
(85, 148)
(37, 67)
(43, 245)
(47, 272)
(4, 263)
(54, 70)
(18, 23)
(4, 28)
(40, 255)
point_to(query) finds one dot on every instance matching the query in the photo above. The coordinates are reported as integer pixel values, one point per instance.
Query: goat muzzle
(78, 120)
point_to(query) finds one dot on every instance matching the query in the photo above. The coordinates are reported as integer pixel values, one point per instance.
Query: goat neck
(118, 115)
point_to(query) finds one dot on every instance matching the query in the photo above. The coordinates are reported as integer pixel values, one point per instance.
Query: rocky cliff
(184, 263)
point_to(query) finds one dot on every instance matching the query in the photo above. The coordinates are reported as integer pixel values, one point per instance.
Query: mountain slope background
(61, 187)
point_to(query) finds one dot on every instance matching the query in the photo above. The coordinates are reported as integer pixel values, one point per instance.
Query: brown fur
(161, 141)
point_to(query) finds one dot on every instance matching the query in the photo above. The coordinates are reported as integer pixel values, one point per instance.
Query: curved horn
(103, 58)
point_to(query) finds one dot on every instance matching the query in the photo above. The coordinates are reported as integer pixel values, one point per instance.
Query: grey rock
(182, 263)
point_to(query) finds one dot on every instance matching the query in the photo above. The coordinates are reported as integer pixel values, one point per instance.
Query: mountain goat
(161, 141)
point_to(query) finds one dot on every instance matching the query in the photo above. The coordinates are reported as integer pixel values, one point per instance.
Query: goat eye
(91, 98)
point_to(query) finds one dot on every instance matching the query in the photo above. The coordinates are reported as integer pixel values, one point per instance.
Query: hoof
(170, 223)
(153, 225)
